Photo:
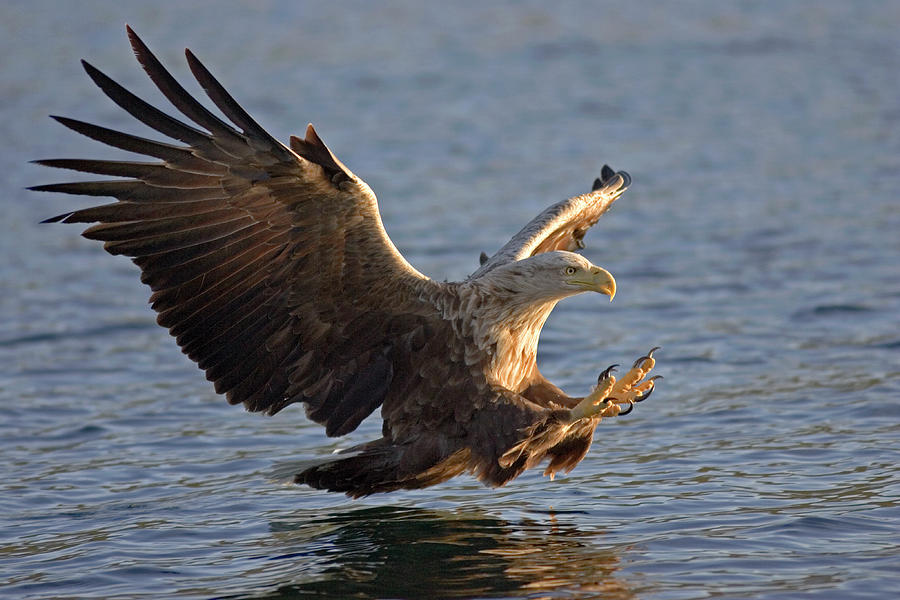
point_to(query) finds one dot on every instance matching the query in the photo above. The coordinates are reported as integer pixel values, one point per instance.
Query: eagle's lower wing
(269, 265)
(563, 225)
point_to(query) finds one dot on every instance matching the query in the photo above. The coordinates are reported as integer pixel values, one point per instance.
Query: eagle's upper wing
(563, 225)
(269, 265)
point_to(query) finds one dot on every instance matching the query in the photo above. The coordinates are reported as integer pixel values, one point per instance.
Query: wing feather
(175, 155)
(175, 93)
(269, 266)
(258, 136)
(144, 112)
(130, 190)
(152, 173)
(563, 225)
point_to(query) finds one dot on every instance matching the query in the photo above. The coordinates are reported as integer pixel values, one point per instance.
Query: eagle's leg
(611, 396)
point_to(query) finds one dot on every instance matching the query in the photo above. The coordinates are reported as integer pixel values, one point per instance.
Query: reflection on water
(414, 553)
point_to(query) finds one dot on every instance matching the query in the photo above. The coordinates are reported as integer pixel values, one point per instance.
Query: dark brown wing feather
(563, 225)
(270, 266)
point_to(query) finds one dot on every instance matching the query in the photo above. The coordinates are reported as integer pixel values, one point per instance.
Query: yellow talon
(612, 410)
(601, 391)
(641, 389)
(626, 391)
(630, 378)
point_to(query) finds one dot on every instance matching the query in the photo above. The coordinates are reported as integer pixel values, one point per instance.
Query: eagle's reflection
(390, 552)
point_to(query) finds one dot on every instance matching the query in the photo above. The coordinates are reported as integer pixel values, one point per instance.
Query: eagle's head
(551, 276)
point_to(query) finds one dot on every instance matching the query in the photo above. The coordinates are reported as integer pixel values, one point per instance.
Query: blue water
(758, 246)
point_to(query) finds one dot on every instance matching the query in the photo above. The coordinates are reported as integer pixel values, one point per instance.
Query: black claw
(630, 408)
(645, 357)
(645, 395)
(606, 173)
(606, 373)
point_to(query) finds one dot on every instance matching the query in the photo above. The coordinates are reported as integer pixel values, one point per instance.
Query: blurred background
(758, 245)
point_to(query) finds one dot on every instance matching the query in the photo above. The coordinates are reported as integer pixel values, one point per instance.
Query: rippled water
(758, 245)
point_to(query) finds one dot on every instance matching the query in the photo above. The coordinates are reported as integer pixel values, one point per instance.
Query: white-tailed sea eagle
(270, 266)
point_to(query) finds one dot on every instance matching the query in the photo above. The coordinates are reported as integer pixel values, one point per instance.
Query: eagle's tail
(382, 466)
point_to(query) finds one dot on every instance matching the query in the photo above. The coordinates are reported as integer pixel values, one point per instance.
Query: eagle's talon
(644, 395)
(606, 373)
(591, 407)
(644, 390)
(630, 407)
(647, 357)
(609, 408)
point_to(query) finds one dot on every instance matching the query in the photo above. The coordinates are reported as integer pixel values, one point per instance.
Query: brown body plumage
(270, 266)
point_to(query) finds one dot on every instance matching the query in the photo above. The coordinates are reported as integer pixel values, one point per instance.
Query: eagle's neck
(515, 340)
(504, 329)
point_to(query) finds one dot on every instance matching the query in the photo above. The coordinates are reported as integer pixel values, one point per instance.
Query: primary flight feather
(270, 266)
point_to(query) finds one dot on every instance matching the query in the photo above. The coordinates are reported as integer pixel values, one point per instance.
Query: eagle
(270, 266)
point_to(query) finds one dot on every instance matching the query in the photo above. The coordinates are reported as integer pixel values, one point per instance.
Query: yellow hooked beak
(595, 280)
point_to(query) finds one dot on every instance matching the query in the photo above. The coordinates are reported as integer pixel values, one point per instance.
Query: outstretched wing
(268, 264)
(563, 225)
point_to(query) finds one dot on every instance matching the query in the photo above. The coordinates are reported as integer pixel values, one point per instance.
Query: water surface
(758, 246)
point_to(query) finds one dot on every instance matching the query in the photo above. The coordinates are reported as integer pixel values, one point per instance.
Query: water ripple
(757, 246)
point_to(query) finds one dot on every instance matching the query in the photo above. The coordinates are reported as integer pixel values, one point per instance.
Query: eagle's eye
(570, 270)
